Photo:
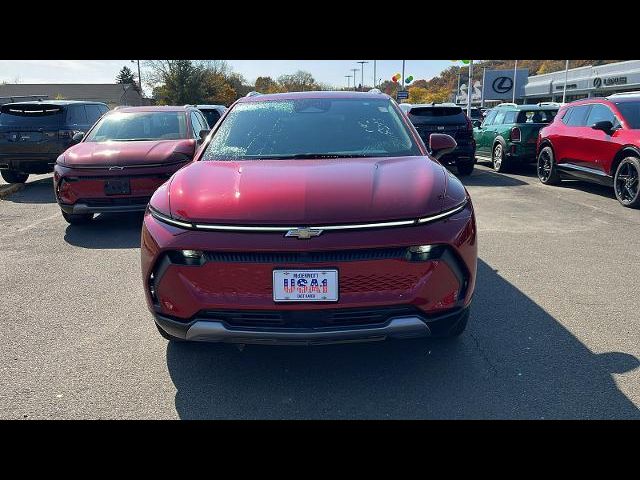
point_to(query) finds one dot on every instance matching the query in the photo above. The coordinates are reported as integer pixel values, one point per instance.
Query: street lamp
(362, 62)
(348, 81)
(354, 70)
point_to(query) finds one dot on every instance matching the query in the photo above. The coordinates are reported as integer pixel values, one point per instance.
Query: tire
(78, 219)
(168, 336)
(498, 160)
(465, 168)
(11, 176)
(460, 326)
(626, 182)
(546, 167)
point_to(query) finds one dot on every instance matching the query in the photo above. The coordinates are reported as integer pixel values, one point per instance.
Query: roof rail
(549, 104)
(252, 94)
(375, 90)
(508, 104)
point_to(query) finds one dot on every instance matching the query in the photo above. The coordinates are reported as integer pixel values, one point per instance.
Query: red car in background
(124, 158)
(597, 140)
(312, 217)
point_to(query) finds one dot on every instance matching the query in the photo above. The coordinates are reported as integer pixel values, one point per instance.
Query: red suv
(124, 158)
(311, 217)
(597, 140)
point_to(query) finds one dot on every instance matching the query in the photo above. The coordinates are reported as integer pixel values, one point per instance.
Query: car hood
(93, 154)
(307, 192)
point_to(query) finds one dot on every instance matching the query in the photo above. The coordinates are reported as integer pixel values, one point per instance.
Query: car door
(567, 142)
(479, 133)
(600, 147)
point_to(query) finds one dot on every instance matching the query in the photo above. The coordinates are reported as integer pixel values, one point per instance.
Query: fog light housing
(191, 253)
(422, 253)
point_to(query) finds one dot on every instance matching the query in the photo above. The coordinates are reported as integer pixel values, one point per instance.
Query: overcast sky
(104, 71)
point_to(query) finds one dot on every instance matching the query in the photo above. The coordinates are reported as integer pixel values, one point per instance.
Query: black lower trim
(439, 324)
(577, 172)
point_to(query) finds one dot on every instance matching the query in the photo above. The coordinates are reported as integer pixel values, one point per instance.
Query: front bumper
(235, 272)
(82, 191)
(400, 327)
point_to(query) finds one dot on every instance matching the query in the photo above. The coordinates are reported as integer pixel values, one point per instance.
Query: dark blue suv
(34, 134)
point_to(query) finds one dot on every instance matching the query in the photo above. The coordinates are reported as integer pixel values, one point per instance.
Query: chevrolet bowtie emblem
(116, 167)
(303, 233)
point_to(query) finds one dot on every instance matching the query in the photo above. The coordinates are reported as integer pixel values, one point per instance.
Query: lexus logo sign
(502, 84)
(597, 82)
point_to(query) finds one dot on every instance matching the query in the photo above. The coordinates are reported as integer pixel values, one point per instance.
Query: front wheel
(77, 219)
(626, 182)
(465, 168)
(547, 172)
(11, 176)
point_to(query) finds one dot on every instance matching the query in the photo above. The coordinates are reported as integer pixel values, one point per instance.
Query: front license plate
(305, 285)
(117, 187)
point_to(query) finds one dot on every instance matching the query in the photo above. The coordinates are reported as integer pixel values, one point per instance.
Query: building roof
(112, 93)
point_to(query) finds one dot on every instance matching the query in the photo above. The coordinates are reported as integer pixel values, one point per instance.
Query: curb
(6, 190)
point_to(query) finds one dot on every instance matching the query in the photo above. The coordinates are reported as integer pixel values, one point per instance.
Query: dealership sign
(609, 81)
(499, 84)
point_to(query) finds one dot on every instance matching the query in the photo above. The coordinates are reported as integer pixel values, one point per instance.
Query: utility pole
(515, 71)
(375, 85)
(362, 62)
(402, 80)
(354, 70)
(564, 90)
(139, 76)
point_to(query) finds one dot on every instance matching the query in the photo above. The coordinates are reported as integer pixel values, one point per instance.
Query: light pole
(139, 76)
(469, 88)
(564, 90)
(354, 70)
(362, 62)
(375, 85)
(515, 71)
(402, 80)
(348, 82)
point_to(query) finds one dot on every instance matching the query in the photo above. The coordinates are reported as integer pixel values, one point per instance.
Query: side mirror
(203, 134)
(476, 123)
(77, 138)
(605, 125)
(440, 144)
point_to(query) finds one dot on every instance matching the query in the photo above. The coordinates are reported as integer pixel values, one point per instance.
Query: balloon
(409, 79)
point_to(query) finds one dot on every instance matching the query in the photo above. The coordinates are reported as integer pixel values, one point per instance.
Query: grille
(308, 318)
(114, 202)
(308, 257)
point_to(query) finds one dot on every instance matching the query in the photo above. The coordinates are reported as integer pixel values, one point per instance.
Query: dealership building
(583, 82)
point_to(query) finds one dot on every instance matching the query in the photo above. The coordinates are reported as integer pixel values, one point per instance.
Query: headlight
(444, 214)
(168, 220)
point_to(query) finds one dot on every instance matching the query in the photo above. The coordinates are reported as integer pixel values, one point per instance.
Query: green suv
(509, 132)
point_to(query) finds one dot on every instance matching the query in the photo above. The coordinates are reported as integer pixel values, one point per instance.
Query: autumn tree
(300, 81)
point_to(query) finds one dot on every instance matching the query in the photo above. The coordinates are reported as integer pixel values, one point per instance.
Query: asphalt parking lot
(554, 329)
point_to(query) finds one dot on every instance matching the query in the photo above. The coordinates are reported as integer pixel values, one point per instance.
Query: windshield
(31, 115)
(311, 128)
(631, 113)
(139, 126)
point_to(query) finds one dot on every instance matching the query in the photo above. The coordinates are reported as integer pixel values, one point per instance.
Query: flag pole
(515, 71)
(469, 88)
(566, 73)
